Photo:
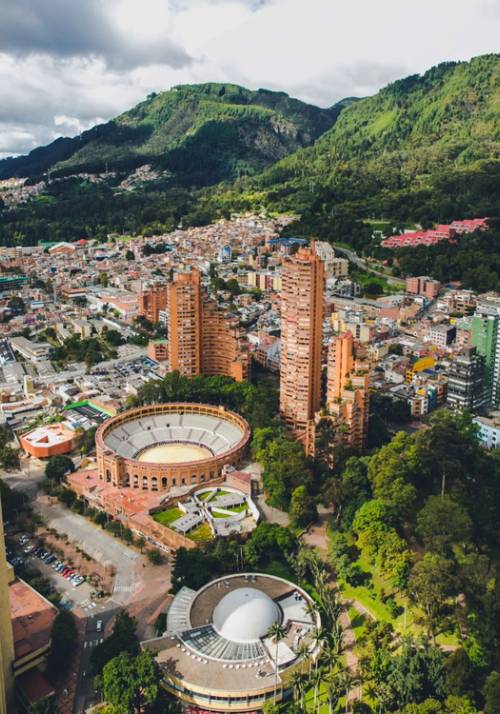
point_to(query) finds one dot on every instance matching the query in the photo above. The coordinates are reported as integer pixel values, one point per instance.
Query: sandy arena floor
(174, 454)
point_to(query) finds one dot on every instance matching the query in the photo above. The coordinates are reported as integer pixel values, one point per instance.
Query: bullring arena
(162, 446)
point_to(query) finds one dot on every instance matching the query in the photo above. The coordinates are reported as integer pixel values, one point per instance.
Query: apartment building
(301, 338)
(466, 381)
(204, 338)
(152, 301)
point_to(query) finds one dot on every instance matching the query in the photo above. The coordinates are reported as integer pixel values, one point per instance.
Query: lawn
(202, 533)
(167, 517)
(206, 496)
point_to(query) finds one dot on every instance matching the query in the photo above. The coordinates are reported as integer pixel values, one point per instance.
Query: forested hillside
(201, 134)
(424, 148)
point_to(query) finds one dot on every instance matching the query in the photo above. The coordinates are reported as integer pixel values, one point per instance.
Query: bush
(155, 557)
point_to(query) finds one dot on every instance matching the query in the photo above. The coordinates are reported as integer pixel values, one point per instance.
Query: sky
(66, 65)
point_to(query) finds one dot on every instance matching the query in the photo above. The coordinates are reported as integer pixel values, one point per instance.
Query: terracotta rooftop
(34, 686)
(32, 618)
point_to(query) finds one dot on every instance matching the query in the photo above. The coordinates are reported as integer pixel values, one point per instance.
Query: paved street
(101, 546)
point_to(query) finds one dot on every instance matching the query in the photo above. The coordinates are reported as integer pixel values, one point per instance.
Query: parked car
(98, 626)
(78, 581)
(50, 559)
(28, 548)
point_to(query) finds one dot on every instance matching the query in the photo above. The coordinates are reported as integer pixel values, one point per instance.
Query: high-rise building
(152, 301)
(204, 338)
(340, 364)
(301, 338)
(184, 323)
(345, 421)
(466, 381)
(6, 634)
(485, 336)
(224, 347)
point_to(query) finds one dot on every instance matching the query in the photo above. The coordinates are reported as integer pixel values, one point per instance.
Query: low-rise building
(489, 429)
(32, 351)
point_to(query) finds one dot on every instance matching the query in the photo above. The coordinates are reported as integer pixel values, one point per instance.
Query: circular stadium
(218, 654)
(163, 446)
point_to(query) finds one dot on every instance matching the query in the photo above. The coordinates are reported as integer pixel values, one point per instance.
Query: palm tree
(277, 633)
(318, 636)
(317, 678)
(303, 652)
(298, 680)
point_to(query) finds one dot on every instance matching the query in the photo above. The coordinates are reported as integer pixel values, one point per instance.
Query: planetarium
(162, 446)
(217, 653)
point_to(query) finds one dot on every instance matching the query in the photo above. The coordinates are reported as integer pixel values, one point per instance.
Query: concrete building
(485, 336)
(489, 430)
(347, 397)
(204, 338)
(158, 350)
(466, 381)
(48, 440)
(334, 267)
(423, 285)
(441, 335)
(216, 654)
(301, 338)
(224, 346)
(32, 351)
(6, 636)
(152, 301)
(184, 323)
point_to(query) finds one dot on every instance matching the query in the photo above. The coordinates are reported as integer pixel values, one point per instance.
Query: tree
(391, 471)
(9, 458)
(129, 255)
(303, 509)
(103, 279)
(122, 640)
(276, 633)
(155, 557)
(131, 684)
(63, 641)
(432, 582)
(441, 523)
(491, 693)
(58, 466)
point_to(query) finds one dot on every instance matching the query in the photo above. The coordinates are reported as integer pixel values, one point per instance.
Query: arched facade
(138, 475)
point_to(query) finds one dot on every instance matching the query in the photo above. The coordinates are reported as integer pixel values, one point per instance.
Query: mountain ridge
(231, 131)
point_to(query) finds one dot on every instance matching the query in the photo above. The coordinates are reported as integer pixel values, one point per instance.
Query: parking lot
(68, 581)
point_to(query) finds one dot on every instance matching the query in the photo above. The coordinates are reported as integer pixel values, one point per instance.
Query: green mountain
(200, 134)
(426, 147)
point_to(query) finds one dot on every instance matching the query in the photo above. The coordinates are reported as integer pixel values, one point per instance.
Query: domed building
(217, 654)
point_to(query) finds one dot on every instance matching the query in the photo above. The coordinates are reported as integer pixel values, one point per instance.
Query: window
(154, 483)
(164, 482)
(144, 483)
(127, 480)
(108, 475)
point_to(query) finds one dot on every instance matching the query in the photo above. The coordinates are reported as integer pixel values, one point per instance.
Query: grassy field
(167, 517)
(207, 496)
(202, 533)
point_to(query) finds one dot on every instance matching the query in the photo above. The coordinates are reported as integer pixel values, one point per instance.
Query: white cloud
(64, 71)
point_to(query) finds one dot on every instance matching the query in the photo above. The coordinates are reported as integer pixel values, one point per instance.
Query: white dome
(245, 615)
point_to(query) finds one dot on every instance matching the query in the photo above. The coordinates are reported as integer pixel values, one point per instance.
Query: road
(103, 548)
(364, 265)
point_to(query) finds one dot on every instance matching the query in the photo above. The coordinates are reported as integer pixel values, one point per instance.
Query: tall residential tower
(301, 338)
